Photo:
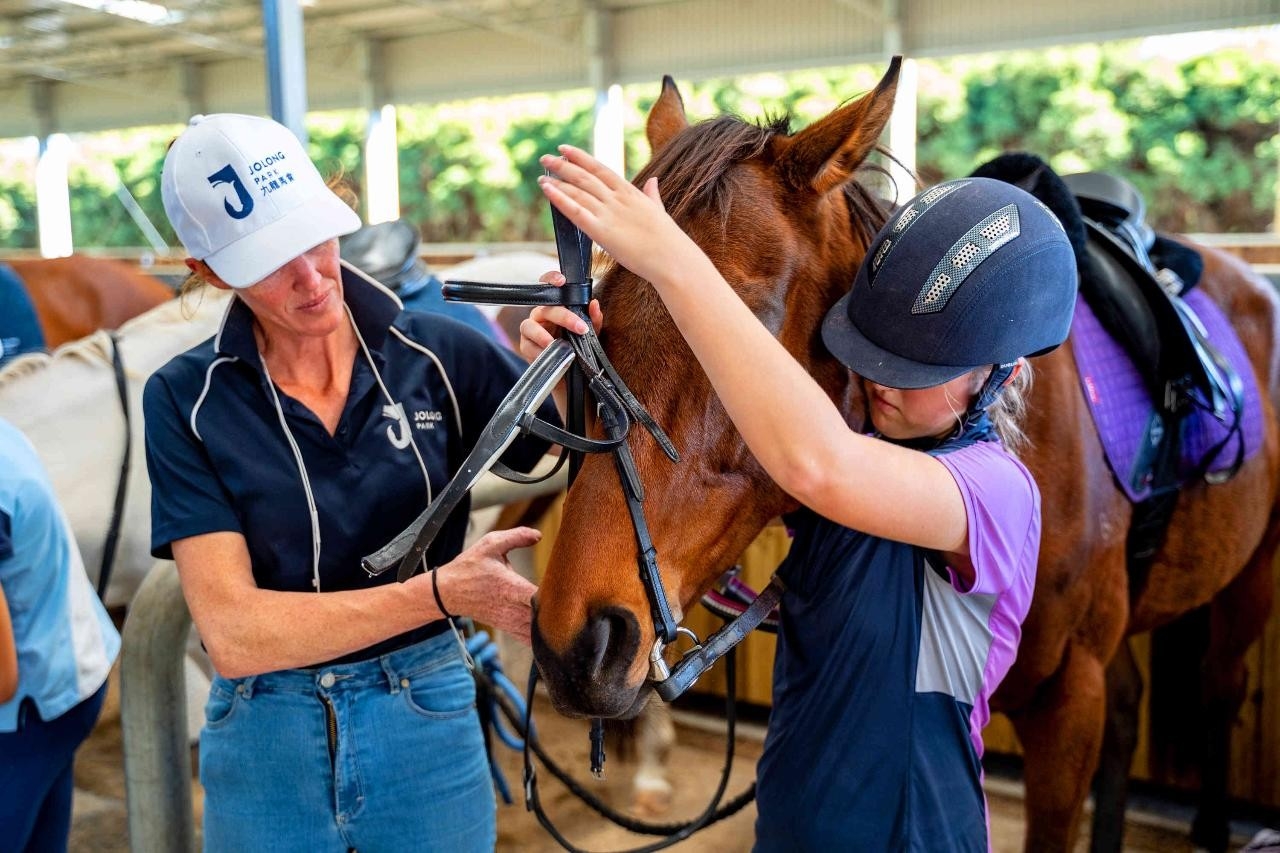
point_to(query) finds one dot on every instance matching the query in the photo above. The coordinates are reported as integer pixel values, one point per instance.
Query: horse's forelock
(693, 169)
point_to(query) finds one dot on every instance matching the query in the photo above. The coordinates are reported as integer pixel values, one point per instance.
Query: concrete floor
(99, 823)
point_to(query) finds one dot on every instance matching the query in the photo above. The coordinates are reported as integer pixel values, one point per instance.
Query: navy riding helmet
(969, 273)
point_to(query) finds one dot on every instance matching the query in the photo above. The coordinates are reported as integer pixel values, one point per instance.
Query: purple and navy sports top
(884, 670)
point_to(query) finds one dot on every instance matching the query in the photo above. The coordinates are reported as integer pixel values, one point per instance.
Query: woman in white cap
(915, 547)
(313, 428)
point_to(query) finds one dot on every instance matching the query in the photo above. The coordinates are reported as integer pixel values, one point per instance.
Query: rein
(112, 541)
(583, 358)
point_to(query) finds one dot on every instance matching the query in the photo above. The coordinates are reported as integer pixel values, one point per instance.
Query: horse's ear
(825, 154)
(666, 117)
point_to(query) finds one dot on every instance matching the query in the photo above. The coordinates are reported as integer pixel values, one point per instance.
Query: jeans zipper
(331, 724)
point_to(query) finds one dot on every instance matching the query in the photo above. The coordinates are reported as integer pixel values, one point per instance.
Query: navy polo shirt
(220, 460)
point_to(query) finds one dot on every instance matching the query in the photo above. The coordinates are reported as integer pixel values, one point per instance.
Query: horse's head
(784, 220)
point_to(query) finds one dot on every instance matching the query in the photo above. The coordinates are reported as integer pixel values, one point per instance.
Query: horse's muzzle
(590, 678)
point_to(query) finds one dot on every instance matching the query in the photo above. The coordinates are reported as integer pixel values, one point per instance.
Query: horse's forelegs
(1061, 734)
(1111, 782)
(1238, 616)
(656, 734)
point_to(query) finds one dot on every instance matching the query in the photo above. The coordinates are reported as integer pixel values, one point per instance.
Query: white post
(53, 198)
(381, 166)
(606, 141)
(902, 133)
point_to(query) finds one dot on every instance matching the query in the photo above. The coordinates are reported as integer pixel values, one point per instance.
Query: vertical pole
(153, 715)
(381, 149)
(902, 122)
(285, 43)
(607, 143)
(53, 197)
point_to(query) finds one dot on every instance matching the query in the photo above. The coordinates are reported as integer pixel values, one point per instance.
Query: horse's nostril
(601, 630)
(608, 644)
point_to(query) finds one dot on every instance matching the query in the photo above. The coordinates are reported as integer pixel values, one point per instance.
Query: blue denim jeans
(380, 755)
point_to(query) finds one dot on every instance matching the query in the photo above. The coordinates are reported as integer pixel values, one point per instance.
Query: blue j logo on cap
(227, 175)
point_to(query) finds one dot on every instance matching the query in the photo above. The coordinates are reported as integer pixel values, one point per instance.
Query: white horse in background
(68, 405)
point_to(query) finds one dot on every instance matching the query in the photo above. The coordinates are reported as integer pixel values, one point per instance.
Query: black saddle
(387, 251)
(1141, 304)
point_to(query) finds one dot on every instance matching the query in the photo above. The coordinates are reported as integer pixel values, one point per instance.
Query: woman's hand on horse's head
(630, 224)
(539, 329)
(481, 583)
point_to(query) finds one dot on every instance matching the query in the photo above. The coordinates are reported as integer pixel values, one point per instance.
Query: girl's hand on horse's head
(539, 329)
(630, 224)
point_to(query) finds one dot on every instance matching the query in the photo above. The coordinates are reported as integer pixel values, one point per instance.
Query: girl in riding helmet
(915, 549)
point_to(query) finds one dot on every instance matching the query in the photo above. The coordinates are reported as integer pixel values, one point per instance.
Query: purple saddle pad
(1123, 410)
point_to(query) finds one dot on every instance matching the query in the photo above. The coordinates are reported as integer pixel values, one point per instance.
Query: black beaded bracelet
(435, 590)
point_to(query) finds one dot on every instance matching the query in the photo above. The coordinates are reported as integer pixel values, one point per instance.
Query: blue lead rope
(484, 651)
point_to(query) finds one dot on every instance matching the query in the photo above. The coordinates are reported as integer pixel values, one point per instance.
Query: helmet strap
(986, 396)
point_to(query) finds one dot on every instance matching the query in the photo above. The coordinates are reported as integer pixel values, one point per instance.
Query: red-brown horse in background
(785, 219)
(77, 295)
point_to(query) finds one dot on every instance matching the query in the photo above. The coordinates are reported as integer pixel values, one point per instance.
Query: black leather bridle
(617, 409)
(583, 360)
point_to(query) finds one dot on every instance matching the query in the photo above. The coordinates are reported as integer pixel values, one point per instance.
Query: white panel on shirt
(955, 636)
(93, 643)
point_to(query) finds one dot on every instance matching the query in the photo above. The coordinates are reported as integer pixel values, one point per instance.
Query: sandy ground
(100, 821)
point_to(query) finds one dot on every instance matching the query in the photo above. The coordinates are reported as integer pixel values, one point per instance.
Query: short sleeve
(187, 498)
(6, 535)
(1002, 504)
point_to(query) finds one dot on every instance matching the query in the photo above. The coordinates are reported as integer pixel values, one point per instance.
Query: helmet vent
(939, 191)
(995, 229)
(907, 217)
(938, 289)
(965, 255)
(881, 254)
(913, 211)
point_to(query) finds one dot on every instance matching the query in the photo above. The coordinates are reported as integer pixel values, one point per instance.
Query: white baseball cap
(244, 197)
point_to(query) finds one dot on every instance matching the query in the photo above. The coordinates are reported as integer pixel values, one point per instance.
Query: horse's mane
(97, 346)
(693, 171)
(24, 365)
(94, 347)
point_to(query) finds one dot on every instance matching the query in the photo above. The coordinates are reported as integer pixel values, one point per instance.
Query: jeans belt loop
(393, 678)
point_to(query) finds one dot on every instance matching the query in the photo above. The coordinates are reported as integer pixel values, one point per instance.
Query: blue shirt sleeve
(6, 535)
(187, 498)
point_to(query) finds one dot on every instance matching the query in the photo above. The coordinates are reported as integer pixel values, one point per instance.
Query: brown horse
(785, 219)
(77, 295)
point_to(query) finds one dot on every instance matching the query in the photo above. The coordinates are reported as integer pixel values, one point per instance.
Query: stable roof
(89, 65)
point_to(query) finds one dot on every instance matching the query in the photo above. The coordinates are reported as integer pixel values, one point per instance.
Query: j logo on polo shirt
(396, 413)
(227, 175)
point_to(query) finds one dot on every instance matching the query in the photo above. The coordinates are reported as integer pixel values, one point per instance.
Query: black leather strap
(110, 544)
(574, 293)
(693, 664)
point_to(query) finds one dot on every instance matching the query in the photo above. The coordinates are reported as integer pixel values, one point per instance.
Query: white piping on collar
(409, 342)
(208, 381)
(371, 280)
(217, 338)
